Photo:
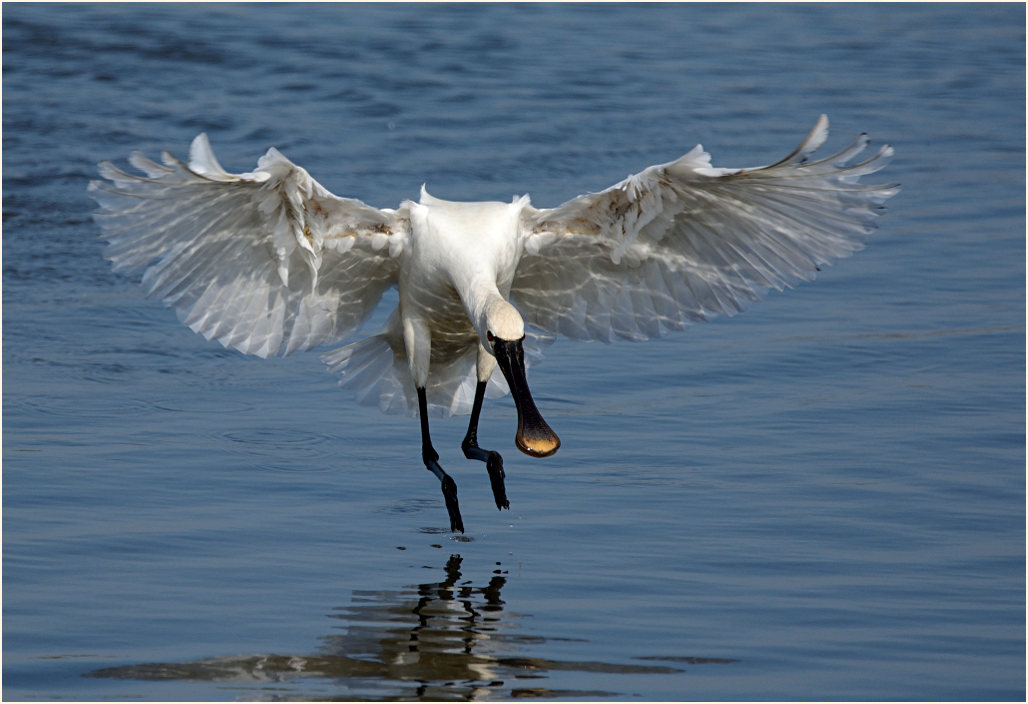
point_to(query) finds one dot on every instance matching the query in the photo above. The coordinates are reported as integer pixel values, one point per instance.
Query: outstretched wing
(266, 262)
(683, 241)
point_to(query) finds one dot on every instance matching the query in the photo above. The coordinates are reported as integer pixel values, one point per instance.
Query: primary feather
(683, 241)
(269, 262)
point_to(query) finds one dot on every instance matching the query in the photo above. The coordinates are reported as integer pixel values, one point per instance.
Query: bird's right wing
(684, 241)
(265, 262)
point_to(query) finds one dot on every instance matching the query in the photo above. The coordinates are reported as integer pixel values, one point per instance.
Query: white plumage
(269, 262)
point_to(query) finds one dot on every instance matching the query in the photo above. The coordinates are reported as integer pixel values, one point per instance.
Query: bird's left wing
(683, 241)
(266, 262)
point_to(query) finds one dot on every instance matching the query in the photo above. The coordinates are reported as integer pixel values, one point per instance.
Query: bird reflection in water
(442, 640)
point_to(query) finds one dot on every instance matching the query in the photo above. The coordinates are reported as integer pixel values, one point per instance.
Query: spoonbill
(269, 262)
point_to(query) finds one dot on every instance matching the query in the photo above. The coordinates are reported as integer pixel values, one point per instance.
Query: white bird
(269, 262)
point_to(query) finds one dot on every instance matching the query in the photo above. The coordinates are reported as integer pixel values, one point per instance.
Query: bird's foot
(450, 495)
(431, 459)
(493, 465)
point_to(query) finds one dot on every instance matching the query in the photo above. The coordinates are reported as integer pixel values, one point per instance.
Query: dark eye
(523, 337)
(489, 335)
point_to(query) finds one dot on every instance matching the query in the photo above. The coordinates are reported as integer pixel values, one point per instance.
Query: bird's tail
(376, 371)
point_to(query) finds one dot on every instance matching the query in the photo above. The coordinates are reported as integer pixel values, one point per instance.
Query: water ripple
(451, 639)
(306, 451)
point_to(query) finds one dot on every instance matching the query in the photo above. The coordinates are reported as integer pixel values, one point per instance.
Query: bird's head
(503, 321)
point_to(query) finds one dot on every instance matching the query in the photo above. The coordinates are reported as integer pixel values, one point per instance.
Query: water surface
(822, 498)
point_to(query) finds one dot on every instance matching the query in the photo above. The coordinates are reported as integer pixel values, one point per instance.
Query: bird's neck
(479, 300)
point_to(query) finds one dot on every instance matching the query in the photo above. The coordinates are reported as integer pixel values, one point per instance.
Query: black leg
(493, 461)
(431, 460)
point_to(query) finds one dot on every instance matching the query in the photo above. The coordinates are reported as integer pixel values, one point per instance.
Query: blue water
(822, 498)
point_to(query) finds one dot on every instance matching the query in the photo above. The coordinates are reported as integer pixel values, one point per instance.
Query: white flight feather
(269, 262)
(684, 241)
